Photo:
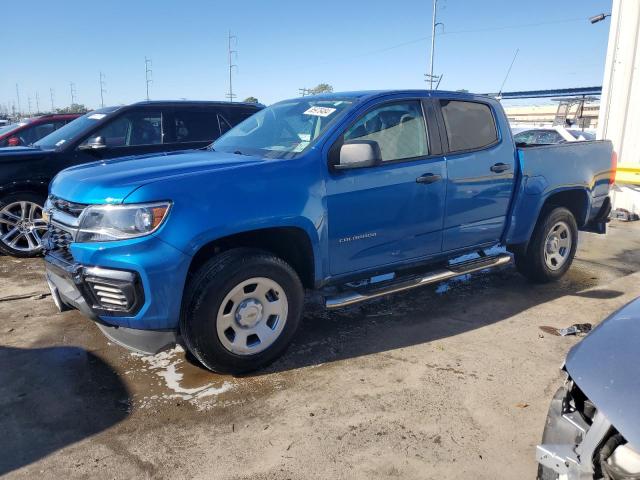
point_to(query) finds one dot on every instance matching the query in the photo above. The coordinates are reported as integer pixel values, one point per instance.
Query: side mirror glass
(13, 141)
(359, 154)
(95, 143)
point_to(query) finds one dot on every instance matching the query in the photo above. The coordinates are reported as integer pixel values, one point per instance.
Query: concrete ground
(451, 381)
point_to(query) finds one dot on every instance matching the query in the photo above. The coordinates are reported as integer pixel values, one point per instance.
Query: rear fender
(532, 199)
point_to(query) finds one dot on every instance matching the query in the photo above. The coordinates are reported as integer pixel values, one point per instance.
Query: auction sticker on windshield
(320, 111)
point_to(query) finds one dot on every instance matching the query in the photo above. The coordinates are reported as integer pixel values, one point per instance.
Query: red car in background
(31, 130)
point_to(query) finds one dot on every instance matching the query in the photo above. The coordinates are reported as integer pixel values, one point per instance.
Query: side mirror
(95, 143)
(359, 154)
(13, 141)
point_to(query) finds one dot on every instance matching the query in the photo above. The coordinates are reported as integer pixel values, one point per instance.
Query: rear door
(385, 215)
(192, 127)
(480, 174)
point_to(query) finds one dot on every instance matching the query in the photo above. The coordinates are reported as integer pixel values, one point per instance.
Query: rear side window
(196, 126)
(235, 115)
(470, 125)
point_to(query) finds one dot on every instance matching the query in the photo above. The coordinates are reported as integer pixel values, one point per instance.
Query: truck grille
(71, 208)
(59, 242)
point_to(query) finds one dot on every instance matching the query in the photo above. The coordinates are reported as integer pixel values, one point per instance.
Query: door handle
(500, 167)
(428, 178)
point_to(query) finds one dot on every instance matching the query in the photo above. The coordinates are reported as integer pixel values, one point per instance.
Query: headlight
(103, 223)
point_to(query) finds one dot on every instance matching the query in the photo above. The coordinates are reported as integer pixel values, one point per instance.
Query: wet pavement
(450, 381)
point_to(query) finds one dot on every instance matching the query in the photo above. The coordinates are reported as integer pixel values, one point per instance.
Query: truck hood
(605, 367)
(111, 181)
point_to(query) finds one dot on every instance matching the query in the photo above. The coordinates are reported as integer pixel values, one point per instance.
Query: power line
(148, 74)
(231, 53)
(450, 32)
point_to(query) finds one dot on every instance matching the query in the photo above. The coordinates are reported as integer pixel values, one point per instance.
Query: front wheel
(552, 247)
(241, 310)
(21, 224)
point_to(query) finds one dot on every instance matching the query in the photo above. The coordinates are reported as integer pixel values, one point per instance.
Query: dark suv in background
(30, 130)
(140, 128)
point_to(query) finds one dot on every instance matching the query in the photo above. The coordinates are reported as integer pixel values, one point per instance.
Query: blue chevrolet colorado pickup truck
(352, 195)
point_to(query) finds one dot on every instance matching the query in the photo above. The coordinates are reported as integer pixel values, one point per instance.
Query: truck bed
(584, 167)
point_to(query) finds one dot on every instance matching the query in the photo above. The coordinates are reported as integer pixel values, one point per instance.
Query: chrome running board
(353, 296)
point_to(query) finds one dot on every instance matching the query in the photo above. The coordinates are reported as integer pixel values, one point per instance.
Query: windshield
(283, 130)
(9, 128)
(585, 135)
(72, 129)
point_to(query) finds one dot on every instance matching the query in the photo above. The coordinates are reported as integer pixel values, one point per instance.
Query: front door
(135, 132)
(393, 212)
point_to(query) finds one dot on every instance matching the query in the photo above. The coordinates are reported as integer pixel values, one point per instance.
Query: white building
(619, 119)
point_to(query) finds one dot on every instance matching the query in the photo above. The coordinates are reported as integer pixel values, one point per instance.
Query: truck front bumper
(132, 290)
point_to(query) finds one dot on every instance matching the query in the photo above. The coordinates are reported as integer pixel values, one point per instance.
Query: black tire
(206, 291)
(5, 248)
(531, 262)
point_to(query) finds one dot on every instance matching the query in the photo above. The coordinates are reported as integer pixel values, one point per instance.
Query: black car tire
(31, 197)
(205, 293)
(531, 261)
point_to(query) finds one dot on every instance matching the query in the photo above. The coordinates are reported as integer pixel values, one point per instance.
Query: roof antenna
(508, 72)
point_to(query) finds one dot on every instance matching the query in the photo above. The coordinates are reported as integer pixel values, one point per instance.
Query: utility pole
(18, 97)
(102, 90)
(72, 90)
(53, 110)
(37, 103)
(231, 52)
(434, 24)
(304, 91)
(148, 73)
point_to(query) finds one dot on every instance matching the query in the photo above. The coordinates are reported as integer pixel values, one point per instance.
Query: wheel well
(291, 244)
(576, 201)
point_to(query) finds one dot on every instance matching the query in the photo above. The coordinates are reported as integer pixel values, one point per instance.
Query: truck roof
(170, 103)
(196, 102)
(367, 94)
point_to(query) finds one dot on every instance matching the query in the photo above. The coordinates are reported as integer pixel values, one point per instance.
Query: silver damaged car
(593, 425)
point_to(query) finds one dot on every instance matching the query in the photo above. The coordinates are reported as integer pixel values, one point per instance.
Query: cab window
(470, 125)
(398, 128)
(132, 129)
(195, 126)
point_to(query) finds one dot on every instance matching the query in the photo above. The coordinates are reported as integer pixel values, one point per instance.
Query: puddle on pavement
(168, 378)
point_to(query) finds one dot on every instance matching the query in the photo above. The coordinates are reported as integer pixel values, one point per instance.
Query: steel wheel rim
(557, 246)
(22, 226)
(252, 316)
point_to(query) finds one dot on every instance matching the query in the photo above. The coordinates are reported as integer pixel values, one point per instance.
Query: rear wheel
(241, 310)
(552, 246)
(21, 224)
